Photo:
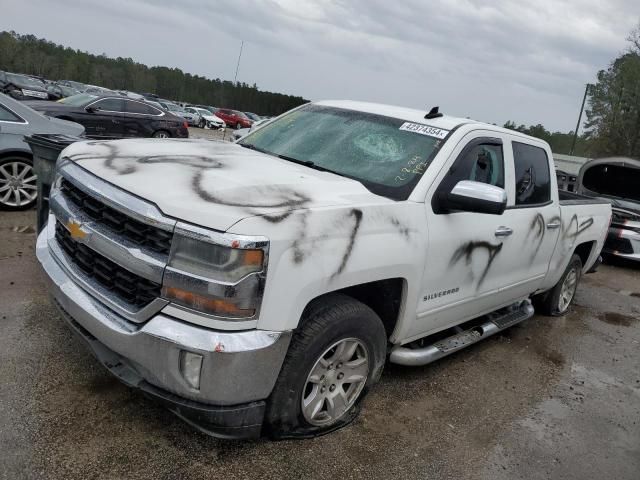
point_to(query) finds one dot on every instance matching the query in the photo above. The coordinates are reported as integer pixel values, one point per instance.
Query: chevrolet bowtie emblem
(75, 229)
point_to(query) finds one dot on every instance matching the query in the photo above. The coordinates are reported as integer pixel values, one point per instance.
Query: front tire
(238, 126)
(556, 302)
(334, 359)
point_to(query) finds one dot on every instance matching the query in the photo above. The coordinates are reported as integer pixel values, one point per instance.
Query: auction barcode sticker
(424, 130)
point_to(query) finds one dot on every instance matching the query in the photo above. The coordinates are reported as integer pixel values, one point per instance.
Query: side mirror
(470, 196)
(91, 109)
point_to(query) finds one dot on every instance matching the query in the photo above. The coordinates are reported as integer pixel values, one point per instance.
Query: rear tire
(238, 126)
(161, 134)
(556, 302)
(335, 357)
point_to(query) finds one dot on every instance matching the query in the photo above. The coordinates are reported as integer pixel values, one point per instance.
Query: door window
(141, 108)
(7, 115)
(110, 105)
(480, 161)
(533, 182)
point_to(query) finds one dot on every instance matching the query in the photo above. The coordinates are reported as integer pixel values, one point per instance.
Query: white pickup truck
(258, 288)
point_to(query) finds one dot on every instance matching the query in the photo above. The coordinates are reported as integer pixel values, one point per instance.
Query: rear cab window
(532, 175)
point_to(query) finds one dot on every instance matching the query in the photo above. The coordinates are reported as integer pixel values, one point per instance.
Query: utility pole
(575, 134)
(235, 80)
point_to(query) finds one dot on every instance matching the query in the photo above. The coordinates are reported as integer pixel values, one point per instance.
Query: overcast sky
(525, 61)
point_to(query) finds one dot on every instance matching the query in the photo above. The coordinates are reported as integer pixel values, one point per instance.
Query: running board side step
(495, 322)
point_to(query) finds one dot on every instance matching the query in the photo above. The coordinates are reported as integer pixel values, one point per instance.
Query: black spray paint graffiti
(271, 197)
(569, 235)
(538, 228)
(466, 251)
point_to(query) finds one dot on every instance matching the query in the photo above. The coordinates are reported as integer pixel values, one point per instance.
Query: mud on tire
(325, 322)
(550, 303)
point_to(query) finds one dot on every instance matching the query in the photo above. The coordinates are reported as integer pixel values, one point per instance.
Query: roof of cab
(409, 114)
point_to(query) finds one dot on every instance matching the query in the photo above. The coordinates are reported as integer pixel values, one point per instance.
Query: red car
(234, 118)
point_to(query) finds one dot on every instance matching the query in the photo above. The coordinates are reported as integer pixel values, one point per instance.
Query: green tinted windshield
(387, 155)
(79, 100)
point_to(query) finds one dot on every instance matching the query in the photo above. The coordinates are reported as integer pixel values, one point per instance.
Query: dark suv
(114, 116)
(234, 118)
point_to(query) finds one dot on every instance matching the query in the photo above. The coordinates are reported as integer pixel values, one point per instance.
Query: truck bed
(570, 198)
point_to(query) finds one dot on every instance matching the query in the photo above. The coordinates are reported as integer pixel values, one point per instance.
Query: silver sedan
(18, 189)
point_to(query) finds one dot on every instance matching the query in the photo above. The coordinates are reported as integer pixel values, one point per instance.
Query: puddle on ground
(614, 318)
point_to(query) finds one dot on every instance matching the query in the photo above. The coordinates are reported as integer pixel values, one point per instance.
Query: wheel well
(584, 251)
(383, 297)
(15, 153)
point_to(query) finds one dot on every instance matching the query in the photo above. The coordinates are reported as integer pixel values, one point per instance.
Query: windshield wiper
(251, 146)
(306, 163)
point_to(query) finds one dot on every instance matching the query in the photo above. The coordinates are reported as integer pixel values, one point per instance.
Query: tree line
(36, 56)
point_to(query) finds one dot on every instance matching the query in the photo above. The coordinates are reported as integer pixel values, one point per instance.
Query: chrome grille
(130, 288)
(145, 236)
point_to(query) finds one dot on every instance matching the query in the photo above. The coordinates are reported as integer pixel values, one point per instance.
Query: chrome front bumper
(237, 367)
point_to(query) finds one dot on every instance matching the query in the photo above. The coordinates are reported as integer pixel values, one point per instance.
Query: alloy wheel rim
(568, 290)
(335, 382)
(17, 184)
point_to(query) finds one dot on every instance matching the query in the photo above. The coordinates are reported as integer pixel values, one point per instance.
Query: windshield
(23, 80)
(387, 155)
(79, 100)
(202, 111)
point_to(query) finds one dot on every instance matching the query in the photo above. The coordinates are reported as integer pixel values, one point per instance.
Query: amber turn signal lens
(215, 306)
(253, 257)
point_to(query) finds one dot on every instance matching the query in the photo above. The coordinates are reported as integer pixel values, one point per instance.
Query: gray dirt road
(550, 398)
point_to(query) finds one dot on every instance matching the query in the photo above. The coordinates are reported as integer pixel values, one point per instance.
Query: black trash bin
(46, 147)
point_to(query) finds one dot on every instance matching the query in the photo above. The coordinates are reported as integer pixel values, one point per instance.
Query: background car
(253, 116)
(115, 116)
(154, 103)
(234, 118)
(57, 91)
(238, 134)
(190, 117)
(17, 178)
(22, 87)
(73, 84)
(208, 119)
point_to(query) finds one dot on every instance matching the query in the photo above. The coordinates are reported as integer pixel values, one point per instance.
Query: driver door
(466, 264)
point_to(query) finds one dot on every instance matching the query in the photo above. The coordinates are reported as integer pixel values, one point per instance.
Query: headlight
(214, 273)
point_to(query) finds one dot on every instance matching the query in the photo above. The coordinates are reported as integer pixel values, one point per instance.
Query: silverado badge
(75, 229)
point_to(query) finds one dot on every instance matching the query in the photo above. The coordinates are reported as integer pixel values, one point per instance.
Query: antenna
(433, 113)
(235, 80)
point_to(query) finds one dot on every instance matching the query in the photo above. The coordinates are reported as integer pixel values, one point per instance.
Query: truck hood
(215, 184)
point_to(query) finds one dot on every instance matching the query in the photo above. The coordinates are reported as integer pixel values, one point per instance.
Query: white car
(259, 287)
(209, 120)
(238, 134)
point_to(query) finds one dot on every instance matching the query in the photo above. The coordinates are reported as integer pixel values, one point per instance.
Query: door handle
(503, 231)
(553, 226)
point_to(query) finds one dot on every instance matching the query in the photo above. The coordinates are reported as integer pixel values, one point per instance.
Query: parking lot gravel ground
(549, 398)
